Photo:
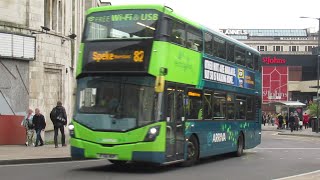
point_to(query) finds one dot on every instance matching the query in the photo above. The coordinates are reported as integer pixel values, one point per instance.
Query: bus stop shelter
(290, 106)
(290, 103)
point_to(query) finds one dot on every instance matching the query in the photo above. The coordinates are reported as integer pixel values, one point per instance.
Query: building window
(293, 48)
(54, 15)
(59, 16)
(308, 48)
(47, 15)
(53, 10)
(262, 48)
(277, 48)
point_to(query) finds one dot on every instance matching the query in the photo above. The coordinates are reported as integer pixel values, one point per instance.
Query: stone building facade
(53, 29)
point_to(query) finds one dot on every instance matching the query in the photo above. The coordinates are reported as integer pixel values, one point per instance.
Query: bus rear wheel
(240, 145)
(118, 162)
(192, 152)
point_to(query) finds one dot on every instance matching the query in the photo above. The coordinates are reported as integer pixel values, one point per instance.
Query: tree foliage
(313, 109)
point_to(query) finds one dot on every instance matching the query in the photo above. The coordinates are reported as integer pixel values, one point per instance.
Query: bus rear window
(121, 24)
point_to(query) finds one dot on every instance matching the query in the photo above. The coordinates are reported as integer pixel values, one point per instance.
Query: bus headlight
(153, 130)
(71, 130)
(152, 133)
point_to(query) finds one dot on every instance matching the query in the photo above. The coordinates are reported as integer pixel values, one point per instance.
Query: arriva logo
(219, 137)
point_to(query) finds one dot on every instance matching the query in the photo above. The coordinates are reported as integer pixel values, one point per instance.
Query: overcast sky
(243, 14)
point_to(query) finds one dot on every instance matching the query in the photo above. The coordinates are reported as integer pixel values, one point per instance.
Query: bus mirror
(159, 86)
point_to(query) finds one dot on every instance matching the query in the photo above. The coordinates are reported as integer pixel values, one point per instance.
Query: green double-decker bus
(155, 87)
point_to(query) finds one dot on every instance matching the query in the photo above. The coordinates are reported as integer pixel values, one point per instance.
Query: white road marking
(40, 164)
(298, 175)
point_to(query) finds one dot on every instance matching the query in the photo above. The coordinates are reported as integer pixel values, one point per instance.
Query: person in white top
(27, 123)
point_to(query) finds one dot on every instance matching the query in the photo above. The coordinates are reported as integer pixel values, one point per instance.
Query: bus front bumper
(139, 152)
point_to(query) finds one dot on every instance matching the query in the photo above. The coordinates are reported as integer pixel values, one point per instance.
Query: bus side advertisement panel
(215, 71)
(183, 64)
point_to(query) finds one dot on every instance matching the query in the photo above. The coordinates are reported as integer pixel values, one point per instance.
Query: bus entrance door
(175, 139)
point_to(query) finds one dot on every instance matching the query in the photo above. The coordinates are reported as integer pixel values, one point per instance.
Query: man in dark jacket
(58, 117)
(280, 118)
(291, 121)
(39, 125)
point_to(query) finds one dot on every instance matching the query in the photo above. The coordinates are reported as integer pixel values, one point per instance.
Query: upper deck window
(194, 39)
(240, 56)
(121, 24)
(249, 60)
(208, 43)
(178, 34)
(219, 47)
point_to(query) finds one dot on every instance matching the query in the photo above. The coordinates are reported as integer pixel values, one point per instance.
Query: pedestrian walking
(29, 126)
(58, 117)
(269, 118)
(296, 122)
(284, 125)
(274, 119)
(39, 125)
(287, 121)
(291, 122)
(280, 118)
(306, 121)
(264, 118)
(300, 124)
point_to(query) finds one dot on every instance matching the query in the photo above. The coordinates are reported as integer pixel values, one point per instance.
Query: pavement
(17, 154)
(304, 132)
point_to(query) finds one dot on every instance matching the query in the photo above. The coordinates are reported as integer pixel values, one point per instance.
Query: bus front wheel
(240, 145)
(192, 152)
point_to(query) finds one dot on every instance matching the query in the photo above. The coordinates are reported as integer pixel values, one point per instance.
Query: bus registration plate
(108, 156)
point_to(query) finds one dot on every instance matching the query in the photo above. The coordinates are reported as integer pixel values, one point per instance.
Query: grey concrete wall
(12, 86)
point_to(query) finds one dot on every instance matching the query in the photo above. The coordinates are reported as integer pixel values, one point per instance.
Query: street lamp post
(318, 59)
